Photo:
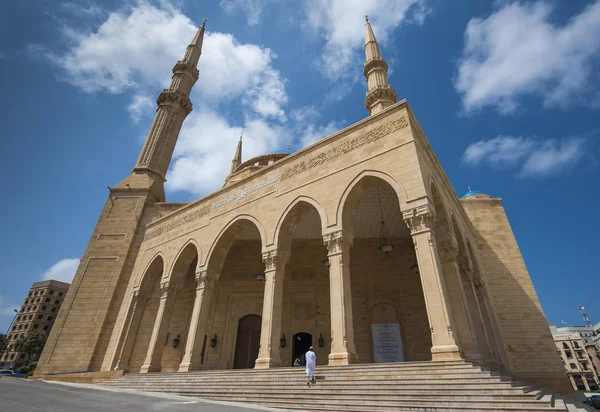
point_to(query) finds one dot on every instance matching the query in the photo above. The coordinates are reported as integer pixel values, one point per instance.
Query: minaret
(173, 107)
(379, 94)
(237, 157)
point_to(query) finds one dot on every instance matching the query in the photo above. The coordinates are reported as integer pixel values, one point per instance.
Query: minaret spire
(379, 94)
(173, 107)
(237, 157)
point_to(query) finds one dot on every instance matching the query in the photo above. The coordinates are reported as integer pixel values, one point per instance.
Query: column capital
(336, 242)
(168, 288)
(206, 279)
(420, 219)
(274, 259)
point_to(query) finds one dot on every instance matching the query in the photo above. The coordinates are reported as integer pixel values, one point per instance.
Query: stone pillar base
(342, 358)
(266, 363)
(186, 367)
(450, 352)
(149, 368)
(121, 367)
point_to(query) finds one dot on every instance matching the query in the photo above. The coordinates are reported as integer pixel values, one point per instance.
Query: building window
(46, 327)
(40, 316)
(50, 318)
(568, 354)
(35, 326)
(47, 300)
(56, 302)
(60, 294)
(29, 294)
(51, 292)
(573, 366)
(575, 344)
(584, 365)
(44, 307)
(53, 310)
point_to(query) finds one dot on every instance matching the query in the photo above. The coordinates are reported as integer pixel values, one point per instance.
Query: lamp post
(13, 321)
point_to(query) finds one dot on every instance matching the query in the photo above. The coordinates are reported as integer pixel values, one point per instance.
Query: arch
(441, 216)
(229, 230)
(230, 224)
(157, 259)
(396, 186)
(301, 199)
(188, 253)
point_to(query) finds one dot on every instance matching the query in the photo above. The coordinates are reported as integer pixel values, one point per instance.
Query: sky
(507, 92)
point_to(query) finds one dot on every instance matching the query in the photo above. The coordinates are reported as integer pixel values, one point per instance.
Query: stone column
(269, 353)
(205, 283)
(161, 327)
(420, 223)
(343, 351)
(458, 298)
(130, 330)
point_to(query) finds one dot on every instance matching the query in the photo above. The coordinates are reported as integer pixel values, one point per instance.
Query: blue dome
(471, 193)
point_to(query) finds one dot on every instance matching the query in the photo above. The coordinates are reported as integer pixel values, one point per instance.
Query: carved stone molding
(380, 93)
(206, 279)
(419, 219)
(274, 260)
(165, 288)
(374, 64)
(335, 242)
(344, 148)
(183, 66)
(175, 98)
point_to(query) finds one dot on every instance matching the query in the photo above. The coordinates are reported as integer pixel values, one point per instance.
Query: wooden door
(247, 343)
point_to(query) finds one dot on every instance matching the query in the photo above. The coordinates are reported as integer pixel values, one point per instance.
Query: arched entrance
(301, 341)
(247, 343)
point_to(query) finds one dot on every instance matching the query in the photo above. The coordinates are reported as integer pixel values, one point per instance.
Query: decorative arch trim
(395, 184)
(306, 199)
(179, 253)
(157, 255)
(250, 218)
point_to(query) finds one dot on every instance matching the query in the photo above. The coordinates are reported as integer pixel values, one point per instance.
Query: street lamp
(13, 321)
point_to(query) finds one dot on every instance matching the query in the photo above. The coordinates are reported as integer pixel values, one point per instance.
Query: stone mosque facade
(356, 245)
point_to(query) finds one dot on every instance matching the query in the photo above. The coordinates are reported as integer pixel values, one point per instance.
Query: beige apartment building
(579, 355)
(37, 314)
(357, 245)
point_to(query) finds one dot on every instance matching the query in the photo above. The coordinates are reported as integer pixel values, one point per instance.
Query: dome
(475, 194)
(252, 165)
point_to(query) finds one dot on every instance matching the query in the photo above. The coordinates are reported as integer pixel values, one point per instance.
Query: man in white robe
(311, 362)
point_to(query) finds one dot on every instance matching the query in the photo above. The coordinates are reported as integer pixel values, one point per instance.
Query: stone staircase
(411, 386)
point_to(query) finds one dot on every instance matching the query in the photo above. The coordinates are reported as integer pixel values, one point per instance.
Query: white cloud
(206, 146)
(63, 270)
(339, 21)
(533, 157)
(519, 51)
(136, 49)
(142, 103)
(313, 133)
(251, 8)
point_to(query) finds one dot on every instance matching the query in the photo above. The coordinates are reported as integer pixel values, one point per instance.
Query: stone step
(379, 395)
(418, 389)
(415, 402)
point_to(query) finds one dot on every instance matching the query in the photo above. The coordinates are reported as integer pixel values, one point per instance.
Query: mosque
(356, 245)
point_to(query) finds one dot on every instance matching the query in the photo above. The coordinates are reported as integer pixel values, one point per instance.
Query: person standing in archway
(311, 362)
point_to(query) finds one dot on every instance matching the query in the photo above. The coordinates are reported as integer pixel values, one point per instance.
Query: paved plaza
(33, 396)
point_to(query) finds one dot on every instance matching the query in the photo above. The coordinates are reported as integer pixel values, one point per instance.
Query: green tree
(31, 345)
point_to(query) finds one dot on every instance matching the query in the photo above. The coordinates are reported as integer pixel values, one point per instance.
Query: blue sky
(508, 93)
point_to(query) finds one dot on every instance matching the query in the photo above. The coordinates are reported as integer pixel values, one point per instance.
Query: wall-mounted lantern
(321, 341)
(326, 262)
(415, 268)
(282, 341)
(260, 277)
(213, 341)
(176, 341)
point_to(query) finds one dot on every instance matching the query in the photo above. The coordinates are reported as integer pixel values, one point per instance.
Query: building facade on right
(579, 354)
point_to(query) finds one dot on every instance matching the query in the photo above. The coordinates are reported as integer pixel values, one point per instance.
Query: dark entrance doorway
(301, 342)
(248, 341)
